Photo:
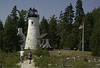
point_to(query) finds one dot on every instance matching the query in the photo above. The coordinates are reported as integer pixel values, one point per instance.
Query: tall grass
(9, 59)
(64, 61)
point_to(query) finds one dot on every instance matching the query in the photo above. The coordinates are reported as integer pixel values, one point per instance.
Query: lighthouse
(33, 30)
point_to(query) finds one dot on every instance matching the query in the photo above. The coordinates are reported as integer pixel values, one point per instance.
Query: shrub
(38, 52)
(45, 52)
(85, 59)
(80, 64)
(9, 59)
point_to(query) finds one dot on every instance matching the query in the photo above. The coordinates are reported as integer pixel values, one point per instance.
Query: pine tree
(65, 24)
(11, 41)
(78, 21)
(53, 29)
(79, 12)
(44, 26)
(71, 13)
(21, 20)
(95, 37)
(88, 27)
(1, 34)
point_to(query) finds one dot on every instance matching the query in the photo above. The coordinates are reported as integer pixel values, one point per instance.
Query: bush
(45, 52)
(38, 52)
(9, 59)
(80, 64)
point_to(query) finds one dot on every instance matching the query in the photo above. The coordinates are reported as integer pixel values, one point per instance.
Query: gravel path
(26, 64)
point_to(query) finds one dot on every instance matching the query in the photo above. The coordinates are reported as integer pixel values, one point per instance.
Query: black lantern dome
(33, 13)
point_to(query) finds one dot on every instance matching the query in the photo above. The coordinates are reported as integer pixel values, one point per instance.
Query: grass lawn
(71, 53)
(68, 59)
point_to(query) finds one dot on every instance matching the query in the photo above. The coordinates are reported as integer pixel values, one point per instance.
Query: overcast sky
(45, 8)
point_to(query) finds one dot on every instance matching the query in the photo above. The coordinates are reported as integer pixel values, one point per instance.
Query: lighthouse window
(32, 22)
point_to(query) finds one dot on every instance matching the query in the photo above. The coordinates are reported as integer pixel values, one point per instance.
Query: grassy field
(68, 59)
(70, 53)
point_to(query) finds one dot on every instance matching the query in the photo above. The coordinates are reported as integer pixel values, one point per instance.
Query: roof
(45, 36)
(32, 13)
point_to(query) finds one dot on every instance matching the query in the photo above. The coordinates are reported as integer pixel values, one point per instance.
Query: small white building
(45, 40)
(20, 33)
(33, 30)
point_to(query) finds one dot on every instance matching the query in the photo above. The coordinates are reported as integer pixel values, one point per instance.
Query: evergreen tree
(71, 13)
(14, 15)
(61, 28)
(65, 25)
(53, 30)
(44, 26)
(61, 16)
(77, 34)
(21, 21)
(1, 34)
(11, 41)
(95, 37)
(88, 28)
(79, 12)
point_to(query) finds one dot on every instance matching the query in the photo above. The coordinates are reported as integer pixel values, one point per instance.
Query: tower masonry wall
(33, 33)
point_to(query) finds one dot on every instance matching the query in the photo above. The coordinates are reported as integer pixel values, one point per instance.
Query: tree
(1, 34)
(44, 26)
(14, 15)
(21, 21)
(88, 28)
(53, 30)
(65, 24)
(69, 41)
(79, 12)
(95, 37)
(71, 13)
(11, 41)
(77, 34)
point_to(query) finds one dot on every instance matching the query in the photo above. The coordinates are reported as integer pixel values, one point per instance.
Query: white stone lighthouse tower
(33, 30)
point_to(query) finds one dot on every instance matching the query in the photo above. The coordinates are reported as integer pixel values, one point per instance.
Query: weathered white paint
(33, 33)
(46, 45)
(23, 37)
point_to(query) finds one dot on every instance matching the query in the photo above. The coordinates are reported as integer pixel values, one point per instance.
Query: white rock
(89, 60)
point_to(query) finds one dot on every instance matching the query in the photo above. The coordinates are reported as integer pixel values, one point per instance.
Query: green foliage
(95, 37)
(80, 64)
(76, 33)
(53, 30)
(69, 43)
(65, 24)
(11, 40)
(44, 26)
(79, 12)
(9, 59)
(45, 52)
(38, 52)
(21, 20)
(78, 60)
(88, 27)
(1, 25)
(68, 14)
(1, 34)
(62, 62)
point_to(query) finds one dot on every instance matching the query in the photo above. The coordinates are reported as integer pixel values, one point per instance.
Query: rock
(99, 60)
(49, 64)
(89, 60)
(97, 64)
